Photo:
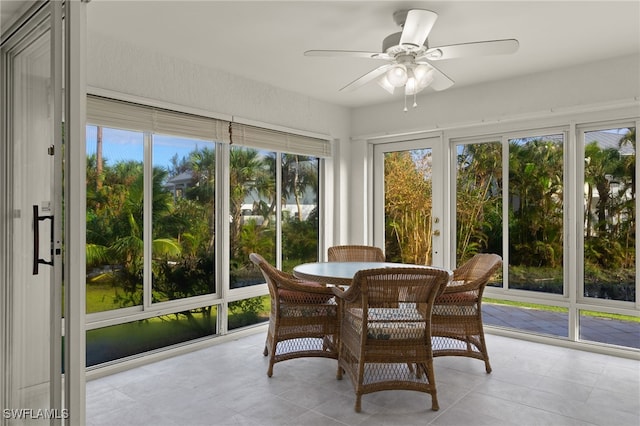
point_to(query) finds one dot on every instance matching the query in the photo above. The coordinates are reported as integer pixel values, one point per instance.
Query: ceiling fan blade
(349, 53)
(417, 27)
(479, 48)
(370, 76)
(440, 80)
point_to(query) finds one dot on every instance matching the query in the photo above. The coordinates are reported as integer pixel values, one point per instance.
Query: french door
(31, 230)
(409, 201)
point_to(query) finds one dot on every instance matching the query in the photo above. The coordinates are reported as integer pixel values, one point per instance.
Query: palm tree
(246, 169)
(298, 174)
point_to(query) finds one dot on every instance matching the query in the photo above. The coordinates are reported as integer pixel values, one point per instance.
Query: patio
(601, 330)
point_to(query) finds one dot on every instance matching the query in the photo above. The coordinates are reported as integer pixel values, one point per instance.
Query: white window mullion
(505, 212)
(278, 165)
(147, 220)
(574, 180)
(222, 243)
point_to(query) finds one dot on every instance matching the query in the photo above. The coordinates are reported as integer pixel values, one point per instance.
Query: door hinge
(51, 150)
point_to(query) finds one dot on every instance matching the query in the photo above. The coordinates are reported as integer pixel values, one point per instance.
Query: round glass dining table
(342, 273)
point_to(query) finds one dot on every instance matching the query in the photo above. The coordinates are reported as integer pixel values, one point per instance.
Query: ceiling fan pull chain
(405, 103)
(415, 103)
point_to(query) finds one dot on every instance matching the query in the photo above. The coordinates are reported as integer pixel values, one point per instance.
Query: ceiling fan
(409, 56)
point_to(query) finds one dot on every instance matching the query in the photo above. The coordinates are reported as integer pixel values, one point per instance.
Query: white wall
(544, 96)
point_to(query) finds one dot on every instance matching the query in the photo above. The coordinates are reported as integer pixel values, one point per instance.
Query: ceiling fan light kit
(410, 56)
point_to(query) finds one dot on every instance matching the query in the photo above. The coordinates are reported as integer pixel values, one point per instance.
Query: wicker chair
(355, 253)
(457, 314)
(302, 320)
(385, 323)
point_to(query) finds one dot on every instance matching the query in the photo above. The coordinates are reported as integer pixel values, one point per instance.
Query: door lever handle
(36, 240)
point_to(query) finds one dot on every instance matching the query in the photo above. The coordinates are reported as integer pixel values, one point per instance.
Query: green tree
(247, 174)
(479, 200)
(536, 202)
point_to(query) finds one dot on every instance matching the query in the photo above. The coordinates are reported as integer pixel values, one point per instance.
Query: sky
(125, 145)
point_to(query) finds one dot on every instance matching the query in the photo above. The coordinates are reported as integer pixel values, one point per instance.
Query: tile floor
(226, 384)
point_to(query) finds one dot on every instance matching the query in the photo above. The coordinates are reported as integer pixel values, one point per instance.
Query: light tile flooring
(226, 384)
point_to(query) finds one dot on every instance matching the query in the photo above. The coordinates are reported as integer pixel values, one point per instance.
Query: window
(609, 214)
(273, 197)
(160, 184)
(544, 291)
(180, 255)
(609, 231)
(183, 224)
(479, 186)
(115, 200)
(252, 215)
(536, 213)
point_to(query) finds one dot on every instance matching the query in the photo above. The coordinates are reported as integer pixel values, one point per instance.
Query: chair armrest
(350, 295)
(303, 292)
(460, 286)
(304, 286)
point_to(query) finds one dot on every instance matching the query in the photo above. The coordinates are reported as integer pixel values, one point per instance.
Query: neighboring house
(179, 183)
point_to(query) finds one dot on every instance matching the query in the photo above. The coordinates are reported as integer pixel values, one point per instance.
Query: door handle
(36, 240)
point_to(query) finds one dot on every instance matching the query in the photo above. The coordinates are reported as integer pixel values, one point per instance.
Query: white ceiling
(265, 40)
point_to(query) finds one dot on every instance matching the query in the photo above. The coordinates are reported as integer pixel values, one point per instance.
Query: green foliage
(247, 312)
(300, 238)
(535, 211)
(183, 225)
(479, 200)
(191, 276)
(408, 190)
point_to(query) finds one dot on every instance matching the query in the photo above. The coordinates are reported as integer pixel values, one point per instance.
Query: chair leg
(434, 401)
(483, 349)
(271, 349)
(427, 368)
(358, 406)
(485, 355)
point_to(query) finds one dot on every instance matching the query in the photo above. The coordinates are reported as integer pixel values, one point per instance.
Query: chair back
(476, 272)
(269, 273)
(391, 304)
(355, 253)
(392, 287)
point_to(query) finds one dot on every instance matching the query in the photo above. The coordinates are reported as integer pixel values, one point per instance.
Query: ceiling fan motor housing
(392, 47)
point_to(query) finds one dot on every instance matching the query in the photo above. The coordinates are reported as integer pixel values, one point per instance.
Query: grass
(563, 310)
(102, 297)
(136, 337)
(123, 340)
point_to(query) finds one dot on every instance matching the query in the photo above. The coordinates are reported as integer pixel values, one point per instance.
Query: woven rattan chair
(457, 314)
(302, 320)
(385, 323)
(355, 253)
